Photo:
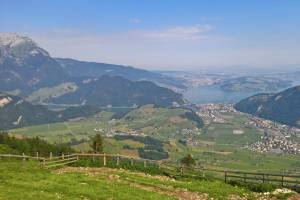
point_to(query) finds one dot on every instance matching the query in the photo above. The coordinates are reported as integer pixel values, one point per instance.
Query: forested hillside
(283, 107)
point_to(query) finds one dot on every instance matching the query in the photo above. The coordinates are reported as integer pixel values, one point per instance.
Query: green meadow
(217, 146)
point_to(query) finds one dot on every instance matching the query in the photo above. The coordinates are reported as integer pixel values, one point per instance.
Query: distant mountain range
(283, 107)
(117, 91)
(29, 71)
(75, 68)
(254, 84)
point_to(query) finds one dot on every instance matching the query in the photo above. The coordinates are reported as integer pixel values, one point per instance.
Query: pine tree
(97, 144)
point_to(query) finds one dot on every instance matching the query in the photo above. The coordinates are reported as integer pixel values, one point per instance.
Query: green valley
(219, 145)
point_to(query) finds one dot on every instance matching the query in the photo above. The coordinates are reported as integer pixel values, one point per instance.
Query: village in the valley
(276, 138)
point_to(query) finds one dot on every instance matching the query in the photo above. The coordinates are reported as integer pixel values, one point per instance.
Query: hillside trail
(179, 193)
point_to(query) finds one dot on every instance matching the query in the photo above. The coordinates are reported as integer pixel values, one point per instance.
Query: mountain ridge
(77, 68)
(282, 107)
(29, 71)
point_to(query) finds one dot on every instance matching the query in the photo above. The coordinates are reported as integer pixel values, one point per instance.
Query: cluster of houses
(211, 112)
(272, 126)
(275, 144)
(112, 132)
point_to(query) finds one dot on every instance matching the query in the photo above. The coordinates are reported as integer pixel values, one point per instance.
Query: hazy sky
(162, 34)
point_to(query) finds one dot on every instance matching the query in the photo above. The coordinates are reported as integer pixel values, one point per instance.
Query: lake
(214, 94)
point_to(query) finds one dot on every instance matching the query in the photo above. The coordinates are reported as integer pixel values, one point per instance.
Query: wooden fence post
(145, 163)
(104, 159)
(203, 173)
(50, 156)
(118, 160)
(62, 156)
(245, 177)
(44, 162)
(159, 165)
(77, 158)
(23, 156)
(37, 154)
(131, 162)
(225, 176)
(282, 177)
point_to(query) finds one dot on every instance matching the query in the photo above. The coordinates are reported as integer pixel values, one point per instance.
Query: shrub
(188, 160)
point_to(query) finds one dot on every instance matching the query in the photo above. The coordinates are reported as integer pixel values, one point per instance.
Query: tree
(97, 143)
(188, 160)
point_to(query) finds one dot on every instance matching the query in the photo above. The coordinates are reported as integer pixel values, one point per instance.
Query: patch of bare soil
(235, 197)
(176, 119)
(87, 170)
(294, 197)
(181, 194)
(148, 110)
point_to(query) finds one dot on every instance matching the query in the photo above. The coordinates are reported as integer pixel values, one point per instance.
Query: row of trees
(30, 146)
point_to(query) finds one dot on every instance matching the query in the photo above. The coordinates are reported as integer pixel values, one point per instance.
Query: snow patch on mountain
(18, 120)
(13, 39)
(4, 101)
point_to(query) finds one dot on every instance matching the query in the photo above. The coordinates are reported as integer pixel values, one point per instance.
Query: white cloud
(141, 48)
(135, 21)
(175, 33)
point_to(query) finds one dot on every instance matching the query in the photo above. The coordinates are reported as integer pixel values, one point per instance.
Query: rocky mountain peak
(12, 44)
(13, 39)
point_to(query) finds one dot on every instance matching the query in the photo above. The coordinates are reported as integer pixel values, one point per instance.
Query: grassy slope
(31, 182)
(65, 131)
(159, 122)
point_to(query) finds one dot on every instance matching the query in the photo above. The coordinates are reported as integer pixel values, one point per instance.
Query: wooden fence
(282, 179)
(23, 157)
(60, 160)
(292, 181)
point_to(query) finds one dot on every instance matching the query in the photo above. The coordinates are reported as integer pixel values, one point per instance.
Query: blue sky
(162, 34)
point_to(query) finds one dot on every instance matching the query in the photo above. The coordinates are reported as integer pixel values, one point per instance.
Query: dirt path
(181, 194)
(178, 193)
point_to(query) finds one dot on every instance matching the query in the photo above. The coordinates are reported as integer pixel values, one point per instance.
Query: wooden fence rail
(20, 156)
(284, 180)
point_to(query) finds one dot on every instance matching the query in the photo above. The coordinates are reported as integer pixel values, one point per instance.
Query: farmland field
(217, 144)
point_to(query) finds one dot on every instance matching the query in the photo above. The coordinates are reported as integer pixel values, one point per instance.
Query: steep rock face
(24, 66)
(283, 107)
